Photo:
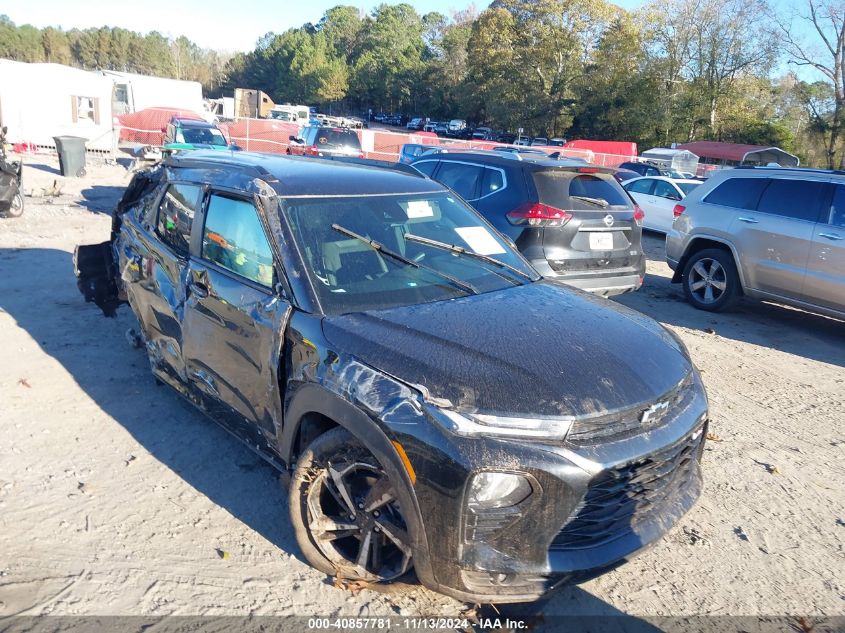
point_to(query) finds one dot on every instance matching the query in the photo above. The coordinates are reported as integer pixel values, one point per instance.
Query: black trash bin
(71, 150)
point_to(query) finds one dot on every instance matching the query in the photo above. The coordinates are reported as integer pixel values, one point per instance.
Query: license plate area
(601, 240)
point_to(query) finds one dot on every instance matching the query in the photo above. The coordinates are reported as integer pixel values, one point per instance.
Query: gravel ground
(118, 498)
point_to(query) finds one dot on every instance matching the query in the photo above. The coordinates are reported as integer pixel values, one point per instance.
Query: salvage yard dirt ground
(116, 497)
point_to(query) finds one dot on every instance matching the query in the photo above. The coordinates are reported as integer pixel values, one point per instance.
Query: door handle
(748, 220)
(199, 289)
(832, 236)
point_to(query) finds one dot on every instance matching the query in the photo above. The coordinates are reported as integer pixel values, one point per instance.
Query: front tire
(345, 511)
(710, 280)
(16, 207)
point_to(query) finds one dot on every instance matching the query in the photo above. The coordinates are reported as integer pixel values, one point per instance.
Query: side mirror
(235, 148)
(164, 129)
(4, 130)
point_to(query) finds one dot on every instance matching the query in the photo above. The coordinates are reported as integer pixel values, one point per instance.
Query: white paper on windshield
(480, 240)
(419, 209)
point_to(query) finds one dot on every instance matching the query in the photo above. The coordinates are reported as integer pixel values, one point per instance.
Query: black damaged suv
(439, 407)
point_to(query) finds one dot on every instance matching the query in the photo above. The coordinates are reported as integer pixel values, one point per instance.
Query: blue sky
(220, 24)
(233, 25)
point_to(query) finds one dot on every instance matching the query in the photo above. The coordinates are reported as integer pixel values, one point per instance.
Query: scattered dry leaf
(712, 437)
(24, 383)
(709, 330)
(222, 553)
(804, 625)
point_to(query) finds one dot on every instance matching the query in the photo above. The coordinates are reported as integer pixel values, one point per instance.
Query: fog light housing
(489, 490)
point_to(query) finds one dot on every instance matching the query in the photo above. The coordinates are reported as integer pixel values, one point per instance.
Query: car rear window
(837, 207)
(555, 189)
(338, 138)
(739, 193)
(799, 199)
(686, 187)
(176, 214)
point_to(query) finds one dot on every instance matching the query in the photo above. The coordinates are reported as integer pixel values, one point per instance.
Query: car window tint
(739, 193)
(590, 186)
(234, 238)
(687, 187)
(652, 171)
(493, 181)
(640, 186)
(799, 199)
(427, 167)
(664, 190)
(337, 138)
(175, 215)
(837, 207)
(462, 179)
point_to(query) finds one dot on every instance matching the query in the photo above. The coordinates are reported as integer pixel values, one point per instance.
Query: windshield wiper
(599, 202)
(460, 250)
(378, 246)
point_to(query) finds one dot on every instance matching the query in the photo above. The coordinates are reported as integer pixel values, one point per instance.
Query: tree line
(673, 71)
(111, 48)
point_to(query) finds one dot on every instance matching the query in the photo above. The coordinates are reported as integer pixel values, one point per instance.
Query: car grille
(618, 499)
(622, 424)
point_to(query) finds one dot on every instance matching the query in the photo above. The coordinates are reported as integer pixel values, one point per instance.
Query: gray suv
(573, 221)
(769, 233)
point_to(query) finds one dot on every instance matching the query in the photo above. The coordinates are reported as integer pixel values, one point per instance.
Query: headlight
(497, 490)
(478, 424)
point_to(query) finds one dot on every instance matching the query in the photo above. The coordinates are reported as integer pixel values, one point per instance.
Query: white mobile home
(133, 93)
(40, 101)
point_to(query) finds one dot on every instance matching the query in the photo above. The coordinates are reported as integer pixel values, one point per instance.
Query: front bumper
(593, 508)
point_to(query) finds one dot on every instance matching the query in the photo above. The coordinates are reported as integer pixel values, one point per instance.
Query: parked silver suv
(769, 233)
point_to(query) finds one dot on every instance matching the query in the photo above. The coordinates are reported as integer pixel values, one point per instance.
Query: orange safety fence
(268, 135)
(147, 126)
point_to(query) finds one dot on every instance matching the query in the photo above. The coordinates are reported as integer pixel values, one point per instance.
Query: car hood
(540, 349)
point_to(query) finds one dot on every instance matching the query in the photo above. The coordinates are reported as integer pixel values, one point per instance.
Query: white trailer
(40, 101)
(133, 93)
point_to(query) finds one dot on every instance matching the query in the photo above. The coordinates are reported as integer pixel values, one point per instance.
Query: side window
(175, 215)
(462, 179)
(426, 166)
(837, 207)
(492, 182)
(664, 190)
(740, 193)
(652, 171)
(234, 239)
(799, 199)
(640, 186)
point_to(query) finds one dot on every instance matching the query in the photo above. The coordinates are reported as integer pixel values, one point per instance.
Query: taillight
(313, 150)
(533, 214)
(360, 154)
(678, 210)
(588, 170)
(639, 215)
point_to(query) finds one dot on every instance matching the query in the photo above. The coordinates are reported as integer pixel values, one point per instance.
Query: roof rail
(185, 159)
(803, 170)
(372, 162)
